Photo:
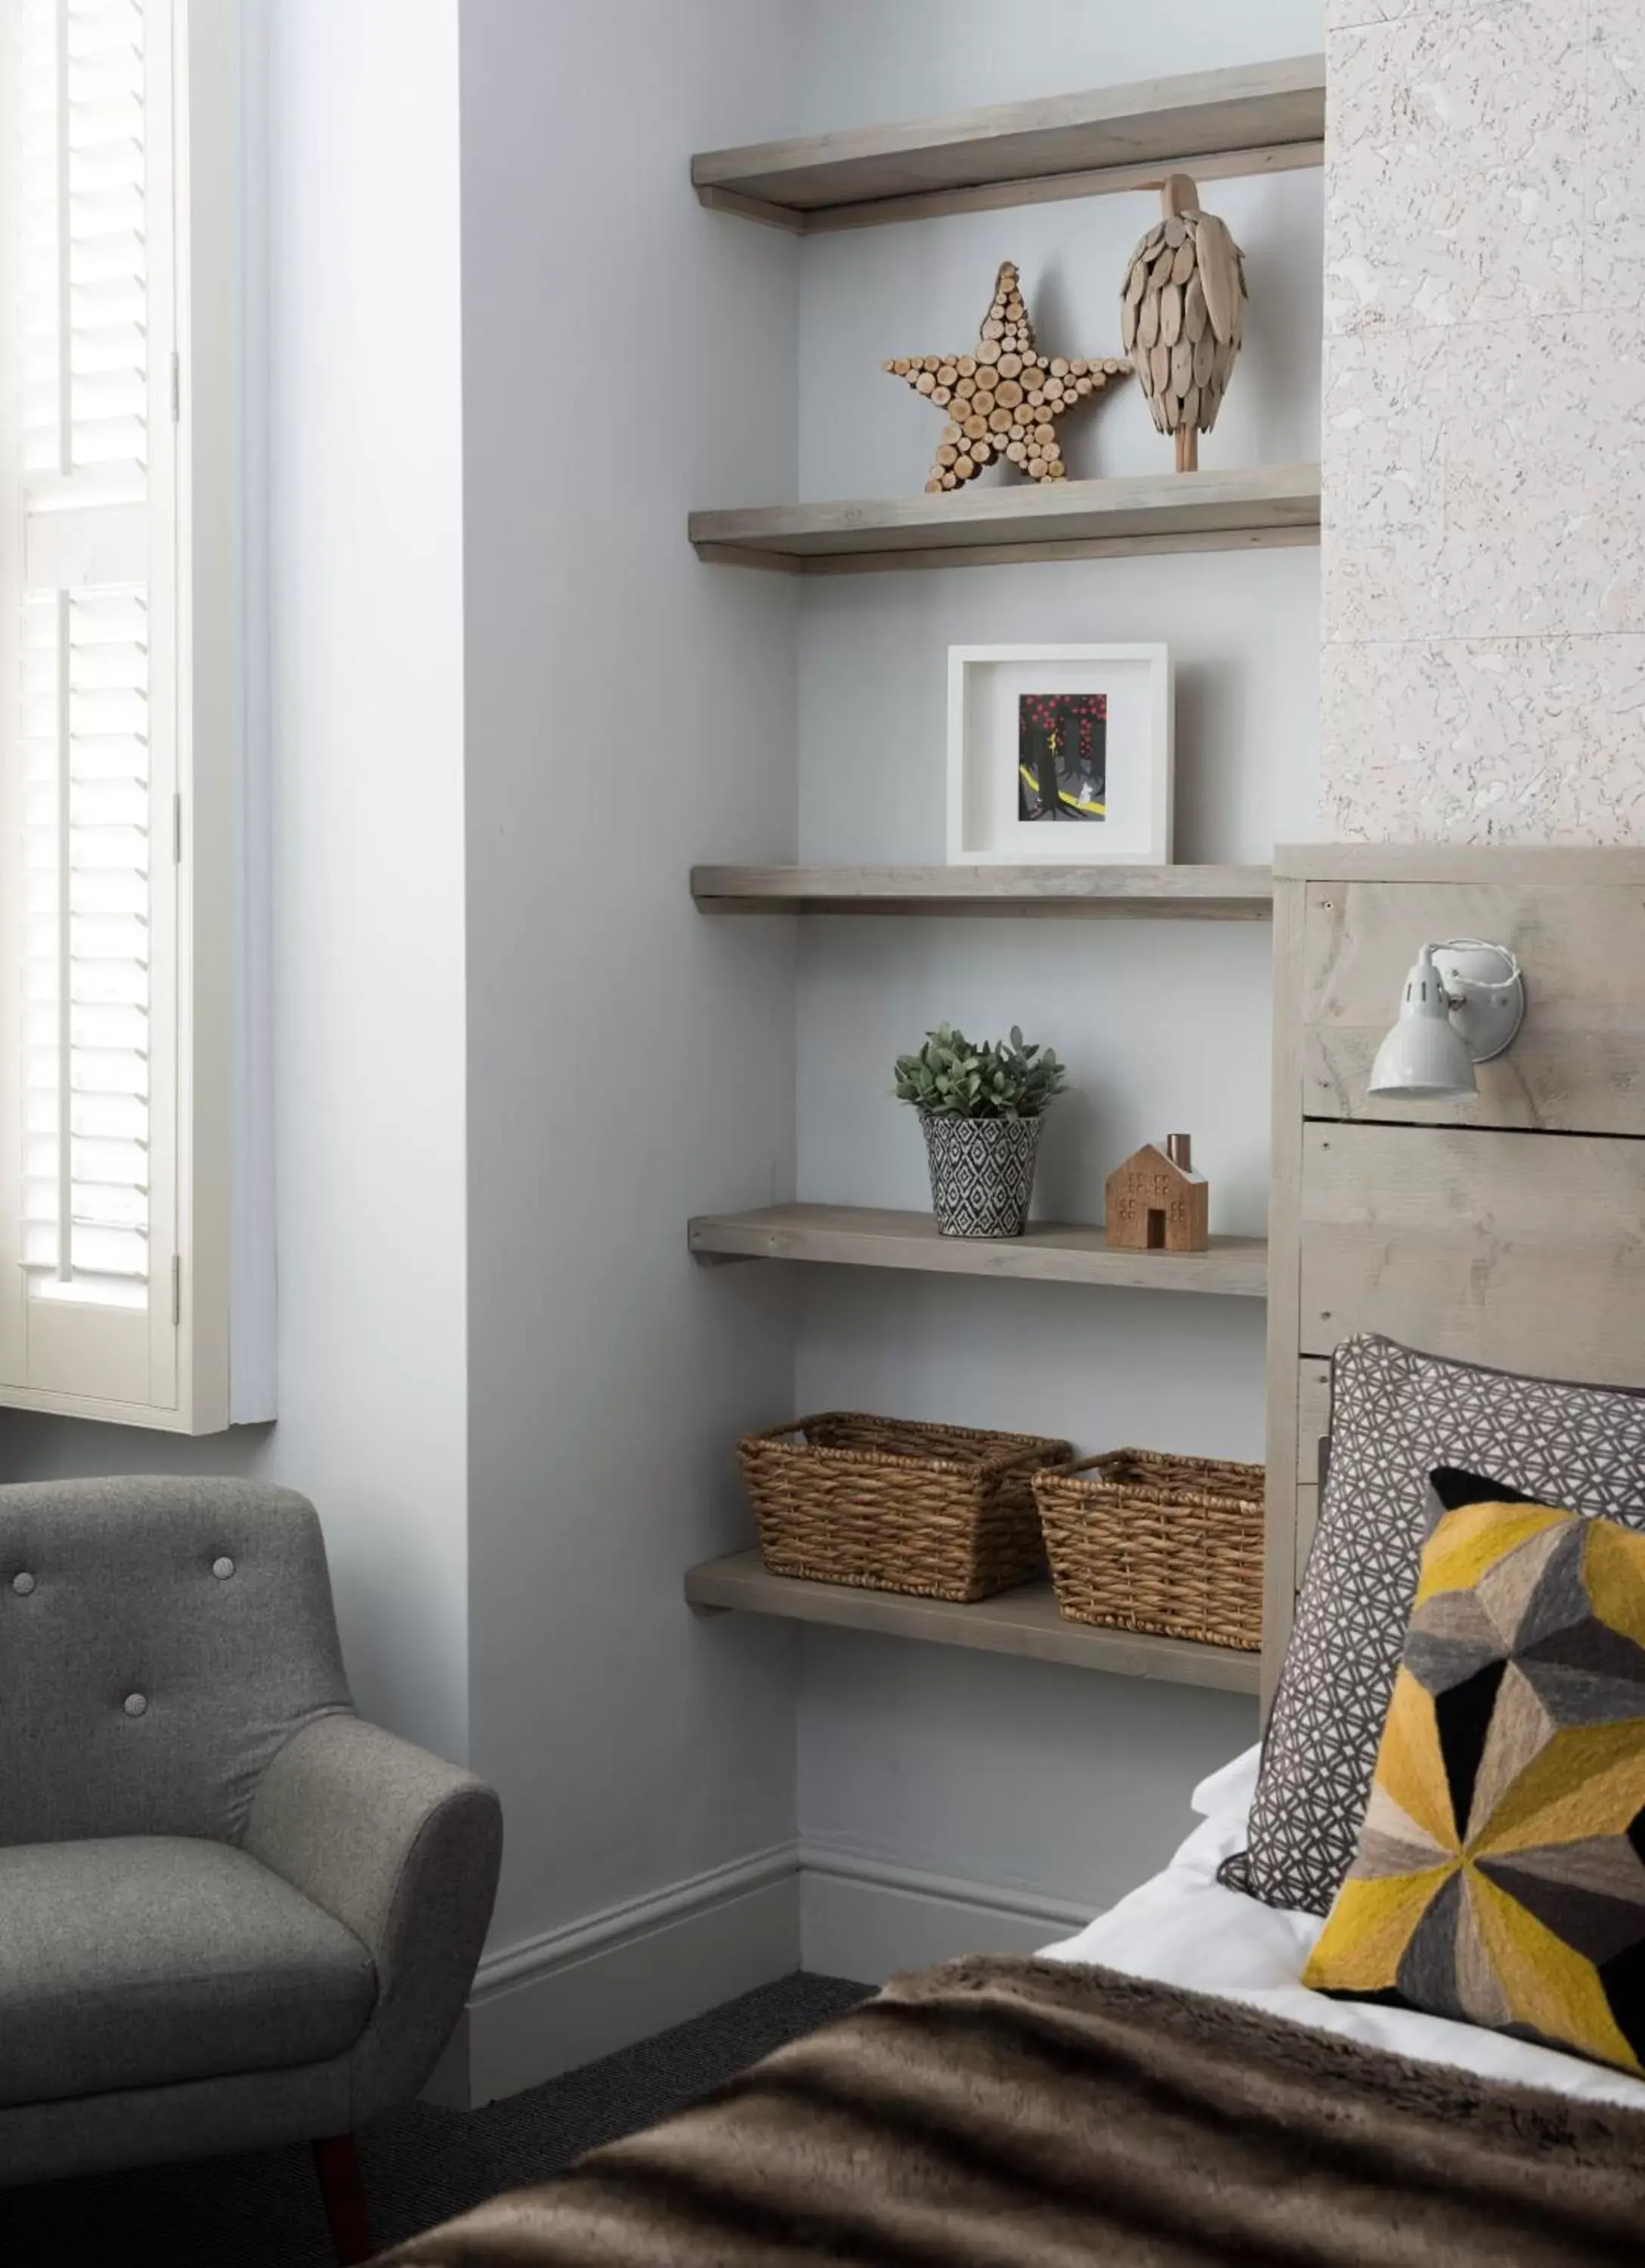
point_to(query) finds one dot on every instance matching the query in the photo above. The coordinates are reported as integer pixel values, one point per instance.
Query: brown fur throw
(1000, 2113)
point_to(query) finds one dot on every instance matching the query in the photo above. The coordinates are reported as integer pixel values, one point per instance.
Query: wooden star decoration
(1004, 397)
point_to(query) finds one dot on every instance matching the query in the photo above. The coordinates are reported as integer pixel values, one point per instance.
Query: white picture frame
(988, 787)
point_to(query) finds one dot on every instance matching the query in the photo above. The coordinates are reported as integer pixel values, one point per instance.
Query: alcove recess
(1253, 119)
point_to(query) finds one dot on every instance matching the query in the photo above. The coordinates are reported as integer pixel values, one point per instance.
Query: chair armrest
(403, 1849)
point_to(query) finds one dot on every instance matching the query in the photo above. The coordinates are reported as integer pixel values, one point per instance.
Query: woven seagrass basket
(945, 1512)
(1140, 1540)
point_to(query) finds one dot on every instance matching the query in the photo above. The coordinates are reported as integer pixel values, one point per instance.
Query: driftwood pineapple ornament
(1180, 316)
(1003, 398)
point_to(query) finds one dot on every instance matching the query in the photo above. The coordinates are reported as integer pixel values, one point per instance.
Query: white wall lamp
(1464, 1001)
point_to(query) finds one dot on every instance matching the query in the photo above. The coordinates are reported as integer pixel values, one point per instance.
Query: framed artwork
(1058, 753)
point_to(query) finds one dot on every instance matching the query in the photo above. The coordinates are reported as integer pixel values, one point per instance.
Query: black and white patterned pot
(982, 1173)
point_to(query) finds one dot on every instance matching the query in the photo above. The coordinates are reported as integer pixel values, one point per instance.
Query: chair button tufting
(135, 1703)
(23, 1584)
(223, 1568)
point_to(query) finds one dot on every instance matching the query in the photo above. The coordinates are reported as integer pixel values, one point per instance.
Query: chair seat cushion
(144, 1960)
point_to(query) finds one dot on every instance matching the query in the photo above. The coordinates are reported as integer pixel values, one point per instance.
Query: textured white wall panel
(1484, 570)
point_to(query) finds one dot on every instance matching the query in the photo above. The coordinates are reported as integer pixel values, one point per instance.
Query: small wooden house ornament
(1156, 1203)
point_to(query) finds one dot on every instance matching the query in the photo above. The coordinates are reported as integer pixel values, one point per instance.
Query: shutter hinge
(177, 387)
(177, 828)
(177, 1287)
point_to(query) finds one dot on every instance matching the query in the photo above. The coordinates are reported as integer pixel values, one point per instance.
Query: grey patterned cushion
(1395, 1415)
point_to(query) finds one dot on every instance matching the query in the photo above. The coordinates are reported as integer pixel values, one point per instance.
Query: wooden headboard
(1507, 1230)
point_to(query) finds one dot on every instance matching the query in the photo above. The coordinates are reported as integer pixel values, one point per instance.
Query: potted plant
(980, 1110)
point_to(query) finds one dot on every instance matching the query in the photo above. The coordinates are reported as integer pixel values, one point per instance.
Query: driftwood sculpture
(1003, 398)
(1180, 316)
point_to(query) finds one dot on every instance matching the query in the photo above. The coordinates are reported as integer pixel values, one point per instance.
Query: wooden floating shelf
(1024, 1621)
(1113, 892)
(1053, 1252)
(1253, 507)
(1255, 118)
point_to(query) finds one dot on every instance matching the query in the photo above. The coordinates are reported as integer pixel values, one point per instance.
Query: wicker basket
(891, 1505)
(1173, 1545)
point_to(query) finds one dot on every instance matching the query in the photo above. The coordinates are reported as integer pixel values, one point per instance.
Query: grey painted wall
(626, 355)
(863, 60)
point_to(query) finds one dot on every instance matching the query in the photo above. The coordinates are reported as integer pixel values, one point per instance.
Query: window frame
(197, 1385)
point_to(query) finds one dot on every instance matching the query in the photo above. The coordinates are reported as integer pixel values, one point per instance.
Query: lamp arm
(1476, 984)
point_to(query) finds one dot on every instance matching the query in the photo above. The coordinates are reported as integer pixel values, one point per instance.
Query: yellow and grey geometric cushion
(1500, 1873)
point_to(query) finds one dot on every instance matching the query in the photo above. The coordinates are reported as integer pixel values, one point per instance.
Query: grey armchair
(232, 1914)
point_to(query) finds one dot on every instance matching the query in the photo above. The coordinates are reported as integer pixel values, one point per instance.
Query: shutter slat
(109, 1026)
(91, 1205)
(93, 983)
(92, 214)
(111, 1165)
(122, 391)
(98, 1251)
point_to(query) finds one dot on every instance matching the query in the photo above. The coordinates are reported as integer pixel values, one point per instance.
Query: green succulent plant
(951, 1078)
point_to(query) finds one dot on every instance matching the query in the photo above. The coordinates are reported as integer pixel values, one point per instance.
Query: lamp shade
(1425, 1057)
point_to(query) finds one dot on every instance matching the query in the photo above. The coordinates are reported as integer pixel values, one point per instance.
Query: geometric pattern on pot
(982, 1173)
(1500, 1873)
(1395, 1415)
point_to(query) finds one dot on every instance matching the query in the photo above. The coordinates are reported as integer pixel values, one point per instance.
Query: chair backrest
(160, 1640)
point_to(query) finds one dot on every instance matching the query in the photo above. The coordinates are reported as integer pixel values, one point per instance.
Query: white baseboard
(863, 1917)
(577, 1993)
(562, 1999)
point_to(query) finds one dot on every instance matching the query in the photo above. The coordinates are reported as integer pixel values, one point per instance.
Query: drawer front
(1507, 1249)
(1579, 1062)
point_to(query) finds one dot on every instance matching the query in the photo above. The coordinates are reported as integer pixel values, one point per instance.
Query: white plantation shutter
(101, 1081)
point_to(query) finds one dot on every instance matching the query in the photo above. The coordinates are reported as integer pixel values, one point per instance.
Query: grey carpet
(421, 2167)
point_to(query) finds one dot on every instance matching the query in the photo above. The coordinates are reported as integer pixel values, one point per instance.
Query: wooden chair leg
(337, 2164)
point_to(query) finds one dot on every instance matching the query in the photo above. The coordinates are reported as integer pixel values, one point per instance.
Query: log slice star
(1003, 398)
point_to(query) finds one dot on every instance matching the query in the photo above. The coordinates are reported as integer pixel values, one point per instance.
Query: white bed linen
(1182, 1927)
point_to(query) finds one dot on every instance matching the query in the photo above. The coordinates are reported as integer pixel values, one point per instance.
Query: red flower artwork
(1062, 756)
